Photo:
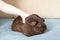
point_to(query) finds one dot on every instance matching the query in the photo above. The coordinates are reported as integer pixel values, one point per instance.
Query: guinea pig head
(36, 24)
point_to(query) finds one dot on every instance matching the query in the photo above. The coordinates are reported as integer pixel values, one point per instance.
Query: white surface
(52, 33)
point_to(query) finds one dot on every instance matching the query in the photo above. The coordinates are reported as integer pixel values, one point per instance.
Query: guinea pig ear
(17, 23)
(18, 19)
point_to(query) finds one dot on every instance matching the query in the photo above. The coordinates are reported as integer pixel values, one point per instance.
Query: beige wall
(44, 8)
(12, 2)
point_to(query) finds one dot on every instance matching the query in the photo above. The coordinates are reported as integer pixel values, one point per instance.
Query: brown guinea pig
(33, 25)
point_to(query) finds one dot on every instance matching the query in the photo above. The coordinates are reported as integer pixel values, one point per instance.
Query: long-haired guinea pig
(33, 25)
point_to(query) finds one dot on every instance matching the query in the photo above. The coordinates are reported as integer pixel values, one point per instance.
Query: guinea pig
(33, 25)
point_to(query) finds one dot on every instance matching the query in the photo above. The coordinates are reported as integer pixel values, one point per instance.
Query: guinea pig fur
(33, 25)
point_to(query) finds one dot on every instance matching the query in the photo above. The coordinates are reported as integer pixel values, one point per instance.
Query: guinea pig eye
(43, 20)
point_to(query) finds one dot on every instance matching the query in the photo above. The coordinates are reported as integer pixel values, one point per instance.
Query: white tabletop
(52, 33)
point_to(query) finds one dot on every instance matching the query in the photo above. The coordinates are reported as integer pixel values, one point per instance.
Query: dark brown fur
(33, 25)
